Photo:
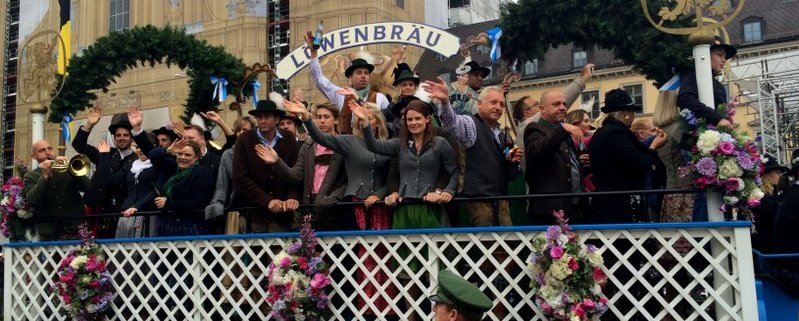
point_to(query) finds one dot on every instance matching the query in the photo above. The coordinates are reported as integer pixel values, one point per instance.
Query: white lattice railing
(221, 277)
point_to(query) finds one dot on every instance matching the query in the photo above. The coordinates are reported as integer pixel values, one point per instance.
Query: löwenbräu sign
(414, 34)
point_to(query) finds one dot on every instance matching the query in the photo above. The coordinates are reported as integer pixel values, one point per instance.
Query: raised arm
(462, 126)
(333, 142)
(322, 83)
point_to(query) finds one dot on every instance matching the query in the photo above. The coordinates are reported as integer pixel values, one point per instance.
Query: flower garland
(567, 275)
(112, 55)
(724, 161)
(84, 284)
(298, 283)
(14, 207)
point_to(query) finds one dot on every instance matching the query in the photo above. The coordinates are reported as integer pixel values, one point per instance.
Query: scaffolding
(278, 39)
(9, 85)
(770, 85)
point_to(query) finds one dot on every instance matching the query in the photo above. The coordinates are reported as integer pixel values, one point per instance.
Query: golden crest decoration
(38, 67)
(721, 10)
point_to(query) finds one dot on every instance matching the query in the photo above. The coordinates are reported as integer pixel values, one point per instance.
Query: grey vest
(486, 169)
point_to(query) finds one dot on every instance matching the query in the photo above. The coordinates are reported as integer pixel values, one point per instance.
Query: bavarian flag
(64, 52)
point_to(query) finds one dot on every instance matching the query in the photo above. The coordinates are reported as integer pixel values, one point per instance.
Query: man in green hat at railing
(458, 300)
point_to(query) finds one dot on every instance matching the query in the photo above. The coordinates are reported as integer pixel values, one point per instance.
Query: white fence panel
(656, 272)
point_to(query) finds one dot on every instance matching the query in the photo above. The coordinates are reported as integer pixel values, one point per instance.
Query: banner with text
(414, 34)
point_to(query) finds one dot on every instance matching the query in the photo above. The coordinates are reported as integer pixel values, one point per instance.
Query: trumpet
(78, 165)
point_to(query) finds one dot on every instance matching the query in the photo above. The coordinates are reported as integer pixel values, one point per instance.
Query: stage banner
(413, 34)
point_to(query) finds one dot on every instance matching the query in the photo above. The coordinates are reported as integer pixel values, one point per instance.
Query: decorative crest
(698, 9)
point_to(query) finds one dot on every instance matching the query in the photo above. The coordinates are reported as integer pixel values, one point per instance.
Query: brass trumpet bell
(78, 165)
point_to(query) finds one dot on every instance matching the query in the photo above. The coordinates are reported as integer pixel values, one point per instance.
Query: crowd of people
(404, 155)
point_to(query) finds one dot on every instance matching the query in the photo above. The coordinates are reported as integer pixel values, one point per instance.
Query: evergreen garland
(112, 55)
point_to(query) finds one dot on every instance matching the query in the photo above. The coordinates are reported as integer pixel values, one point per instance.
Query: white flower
(732, 200)
(24, 214)
(708, 141)
(724, 137)
(741, 184)
(4, 201)
(560, 270)
(595, 258)
(729, 168)
(756, 194)
(563, 239)
(574, 318)
(78, 261)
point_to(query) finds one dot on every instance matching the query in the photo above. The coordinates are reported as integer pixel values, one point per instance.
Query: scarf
(177, 178)
(364, 92)
(139, 166)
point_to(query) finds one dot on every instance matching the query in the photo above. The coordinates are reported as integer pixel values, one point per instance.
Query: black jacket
(141, 190)
(102, 196)
(688, 98)
(192, 193)
(619, 162)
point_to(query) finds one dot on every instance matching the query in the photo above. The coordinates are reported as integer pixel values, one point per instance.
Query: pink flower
(578, 310)
(732, 184)
(727, 148)
(94, 284)
(67, 277)
(285, 262)
(574, 265)
(319, 281)
(588, 304)
(303, 263)
(556, 252)
(599, 276)
(546, 308)
(752, 202)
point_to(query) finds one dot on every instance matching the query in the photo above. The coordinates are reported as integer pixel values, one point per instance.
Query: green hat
(458, 293)
(358, 63)
(266, 106)
(404, 72)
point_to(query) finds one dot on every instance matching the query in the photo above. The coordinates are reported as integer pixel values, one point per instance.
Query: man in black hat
(688, 96)
(464, 100)
(255, 182)
(99, 198)
(358, 73)
(165, 136)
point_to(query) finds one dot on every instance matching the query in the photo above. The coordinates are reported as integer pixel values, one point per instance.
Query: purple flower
(591, 248)
(553, 232)
(706, 166)
(745, 161)
(294, 248)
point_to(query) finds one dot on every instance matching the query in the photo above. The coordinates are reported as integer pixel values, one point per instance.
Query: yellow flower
(560, 270)
(595, 258)
(78, 261)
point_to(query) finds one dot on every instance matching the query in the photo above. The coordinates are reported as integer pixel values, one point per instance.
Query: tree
(616, 25)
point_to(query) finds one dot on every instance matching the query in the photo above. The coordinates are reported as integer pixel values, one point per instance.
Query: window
(636, 92)
(531, 67)
(586, 96)
(119, 15)
(579, 58)
(753, 31)
(400, 3)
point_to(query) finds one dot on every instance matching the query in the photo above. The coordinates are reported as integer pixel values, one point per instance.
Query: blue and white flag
(672, 84)
(255, 86)
(494, 34)
(220, 88)
(66, 128)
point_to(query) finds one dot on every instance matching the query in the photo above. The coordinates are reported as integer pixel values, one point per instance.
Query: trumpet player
(54, 194)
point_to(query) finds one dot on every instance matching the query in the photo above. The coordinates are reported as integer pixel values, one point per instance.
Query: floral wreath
(110, 56)
(567, 275)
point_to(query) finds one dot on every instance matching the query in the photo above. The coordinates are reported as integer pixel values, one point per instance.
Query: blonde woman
(676, 207)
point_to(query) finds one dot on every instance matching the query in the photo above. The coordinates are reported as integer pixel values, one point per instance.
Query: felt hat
(474, 66)
(166, 131)
(458, 293)
(358, 63)
(266, 106)
(618, 100)
(121, 123)
(773, 164)
(295, 119)
(729, 51)
(404, 72)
